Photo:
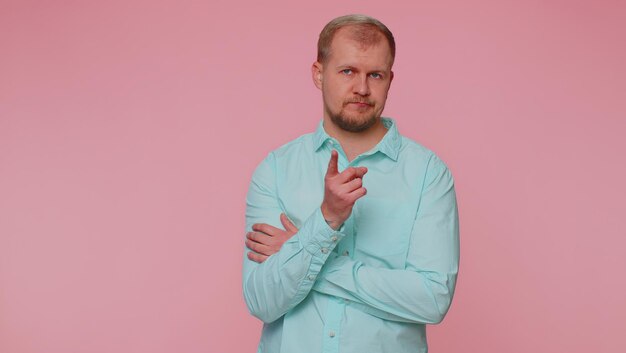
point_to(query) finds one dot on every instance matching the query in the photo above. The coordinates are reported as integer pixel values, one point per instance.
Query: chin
(354, 124)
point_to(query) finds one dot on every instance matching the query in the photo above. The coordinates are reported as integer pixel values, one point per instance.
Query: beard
(356, 123)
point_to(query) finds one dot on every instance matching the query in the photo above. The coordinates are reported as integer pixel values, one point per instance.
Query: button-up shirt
(373, 284)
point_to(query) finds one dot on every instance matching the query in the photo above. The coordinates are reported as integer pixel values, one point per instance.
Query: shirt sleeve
(272, 288)
(423, 290)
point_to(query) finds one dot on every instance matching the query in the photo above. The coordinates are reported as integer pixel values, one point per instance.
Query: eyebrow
(348, 66)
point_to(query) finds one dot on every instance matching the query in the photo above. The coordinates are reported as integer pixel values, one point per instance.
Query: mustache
(358, 100)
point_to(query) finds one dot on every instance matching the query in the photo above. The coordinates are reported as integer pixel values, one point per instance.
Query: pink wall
(129, 129)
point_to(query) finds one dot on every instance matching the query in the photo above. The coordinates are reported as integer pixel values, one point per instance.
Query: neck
(356, 143)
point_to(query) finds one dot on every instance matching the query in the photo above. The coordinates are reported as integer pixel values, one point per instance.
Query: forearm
(282, 281)
(391, 294)
(420, 291)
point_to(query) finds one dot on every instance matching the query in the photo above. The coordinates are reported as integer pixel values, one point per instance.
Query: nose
(361, 86)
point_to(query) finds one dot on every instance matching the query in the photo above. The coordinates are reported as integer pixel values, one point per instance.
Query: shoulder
(414, 151)
(423, 161)
(293, 149)
(296, 146)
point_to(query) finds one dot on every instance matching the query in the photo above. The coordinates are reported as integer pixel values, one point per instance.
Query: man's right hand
(341, 190)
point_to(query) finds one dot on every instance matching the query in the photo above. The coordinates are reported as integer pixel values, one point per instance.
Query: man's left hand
(266, 240)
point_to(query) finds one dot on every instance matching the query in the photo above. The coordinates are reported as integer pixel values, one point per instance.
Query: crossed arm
(275, 284)
(292, 262)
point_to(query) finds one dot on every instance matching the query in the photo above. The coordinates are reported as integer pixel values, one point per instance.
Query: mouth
(360, 105)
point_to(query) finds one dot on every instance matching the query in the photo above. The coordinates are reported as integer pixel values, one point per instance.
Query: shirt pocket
(382, 229)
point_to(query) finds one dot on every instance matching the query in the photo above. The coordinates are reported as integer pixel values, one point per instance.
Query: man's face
(354, 81)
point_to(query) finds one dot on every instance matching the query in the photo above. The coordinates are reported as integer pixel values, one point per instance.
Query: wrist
(332, 222)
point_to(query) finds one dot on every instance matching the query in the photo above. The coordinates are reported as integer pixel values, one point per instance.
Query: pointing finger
(332, 164)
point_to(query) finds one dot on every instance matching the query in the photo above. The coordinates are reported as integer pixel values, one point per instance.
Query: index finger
(332, 164)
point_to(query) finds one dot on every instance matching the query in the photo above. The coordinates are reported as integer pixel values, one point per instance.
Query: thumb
(332, 164)
(287, 223)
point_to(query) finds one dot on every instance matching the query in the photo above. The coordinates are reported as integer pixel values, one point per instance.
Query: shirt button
(324, 251)
(331, 334)
(310, 277)
(346, 253)
(334, 238)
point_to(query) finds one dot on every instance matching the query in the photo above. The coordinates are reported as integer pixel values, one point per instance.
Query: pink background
(129, 130)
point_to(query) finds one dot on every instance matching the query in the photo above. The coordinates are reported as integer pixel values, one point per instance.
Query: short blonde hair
(364, 29)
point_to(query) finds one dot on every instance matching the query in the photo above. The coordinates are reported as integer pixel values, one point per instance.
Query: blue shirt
(372, 285)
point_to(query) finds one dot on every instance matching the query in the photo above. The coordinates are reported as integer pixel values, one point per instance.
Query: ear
(391, 77)
(316, 74)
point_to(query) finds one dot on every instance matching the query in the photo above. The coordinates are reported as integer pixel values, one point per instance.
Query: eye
(346, 71)
(376, 75)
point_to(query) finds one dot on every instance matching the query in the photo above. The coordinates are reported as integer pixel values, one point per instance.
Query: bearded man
(352, 230)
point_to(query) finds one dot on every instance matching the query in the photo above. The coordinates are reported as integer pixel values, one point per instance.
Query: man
(352, 230)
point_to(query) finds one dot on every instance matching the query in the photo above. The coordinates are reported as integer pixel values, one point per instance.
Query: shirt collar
(389, 145)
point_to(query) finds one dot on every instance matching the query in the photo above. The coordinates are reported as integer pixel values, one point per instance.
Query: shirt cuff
(317, 237)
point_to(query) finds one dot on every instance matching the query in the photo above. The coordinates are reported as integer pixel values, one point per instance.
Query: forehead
(361, 45)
